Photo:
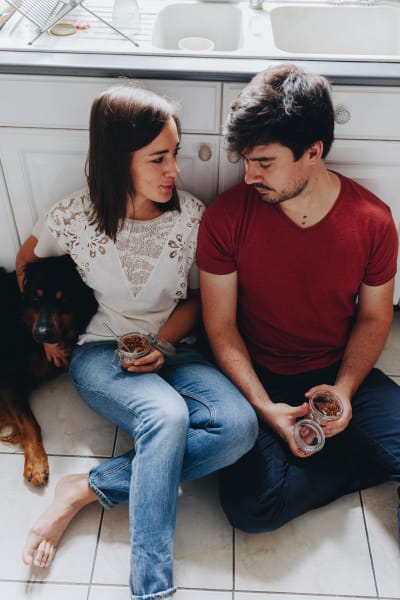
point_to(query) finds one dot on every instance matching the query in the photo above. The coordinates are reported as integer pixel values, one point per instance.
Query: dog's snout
(43, 329)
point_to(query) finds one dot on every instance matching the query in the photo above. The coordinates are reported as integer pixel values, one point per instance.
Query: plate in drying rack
(44, 13)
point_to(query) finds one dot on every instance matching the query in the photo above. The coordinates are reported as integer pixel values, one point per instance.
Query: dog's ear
(27, 280)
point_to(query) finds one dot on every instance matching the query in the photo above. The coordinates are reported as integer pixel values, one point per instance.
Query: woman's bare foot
(71, 494)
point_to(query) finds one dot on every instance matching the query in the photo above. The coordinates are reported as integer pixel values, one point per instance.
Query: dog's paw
(36, 472)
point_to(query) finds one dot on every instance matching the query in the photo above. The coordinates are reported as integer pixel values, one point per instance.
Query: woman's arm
(181, 322)
(183, 319)
(26, 254)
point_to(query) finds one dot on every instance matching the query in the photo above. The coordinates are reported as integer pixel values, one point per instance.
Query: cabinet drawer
(366, 112)
(54, 102)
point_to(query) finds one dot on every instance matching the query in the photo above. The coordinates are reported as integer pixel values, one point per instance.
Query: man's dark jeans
(269, 486)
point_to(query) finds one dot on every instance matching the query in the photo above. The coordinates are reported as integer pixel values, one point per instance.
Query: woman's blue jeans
(187, 421)
(269, 486)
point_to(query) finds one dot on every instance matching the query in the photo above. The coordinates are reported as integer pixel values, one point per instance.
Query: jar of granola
(325, 406)
(135, 345)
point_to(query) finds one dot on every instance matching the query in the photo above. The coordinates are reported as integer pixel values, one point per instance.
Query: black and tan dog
(55, 308)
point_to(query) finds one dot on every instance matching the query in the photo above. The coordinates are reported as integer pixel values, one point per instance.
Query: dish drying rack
(44, 13)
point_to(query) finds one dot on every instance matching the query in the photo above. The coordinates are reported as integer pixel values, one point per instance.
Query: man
(297, 272)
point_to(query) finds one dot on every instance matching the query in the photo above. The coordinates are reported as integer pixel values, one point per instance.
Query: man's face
(273, 172)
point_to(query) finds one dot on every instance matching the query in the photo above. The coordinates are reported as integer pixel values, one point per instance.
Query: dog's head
(58, 305)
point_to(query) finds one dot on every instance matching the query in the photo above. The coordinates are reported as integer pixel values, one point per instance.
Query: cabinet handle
(205, 152)
(342, 115)
(233, 157)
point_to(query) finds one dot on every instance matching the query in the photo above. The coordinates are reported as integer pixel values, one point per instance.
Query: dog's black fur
(55, 308)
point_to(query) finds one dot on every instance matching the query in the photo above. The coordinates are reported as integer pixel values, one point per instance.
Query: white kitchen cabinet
(40, 167)
(198, 162)
(231, 168)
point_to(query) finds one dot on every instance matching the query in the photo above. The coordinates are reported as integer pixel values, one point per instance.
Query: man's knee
(252, 516)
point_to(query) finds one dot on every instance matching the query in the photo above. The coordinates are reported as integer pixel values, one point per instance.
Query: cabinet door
(375, 165)
(9, 242)
(40, 167)
(198, 165)
(231, 168)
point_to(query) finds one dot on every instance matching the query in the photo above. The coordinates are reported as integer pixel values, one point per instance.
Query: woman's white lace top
(139, 279)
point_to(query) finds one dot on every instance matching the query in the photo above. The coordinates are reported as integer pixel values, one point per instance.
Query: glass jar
(135, 345)
(138, 344)
(126, 17)
(325, 406)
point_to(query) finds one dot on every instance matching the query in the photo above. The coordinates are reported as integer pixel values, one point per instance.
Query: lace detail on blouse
(139, 245)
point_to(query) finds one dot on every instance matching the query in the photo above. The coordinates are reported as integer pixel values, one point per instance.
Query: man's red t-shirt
(297, 287)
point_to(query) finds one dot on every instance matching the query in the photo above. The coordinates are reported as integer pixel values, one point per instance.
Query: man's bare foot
(71, 494)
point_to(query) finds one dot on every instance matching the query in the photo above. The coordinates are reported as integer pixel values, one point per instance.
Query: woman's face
(154, 167)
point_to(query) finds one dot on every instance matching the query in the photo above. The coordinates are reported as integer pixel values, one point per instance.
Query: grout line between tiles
(100, 528)
(90, 583)
(233, 561)
(58, 455)
(369, 544)
(309, 595)
(31, 581)
(114, 442)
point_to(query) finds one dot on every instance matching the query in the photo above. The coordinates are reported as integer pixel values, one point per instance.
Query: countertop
(60, 58)
(188, 68)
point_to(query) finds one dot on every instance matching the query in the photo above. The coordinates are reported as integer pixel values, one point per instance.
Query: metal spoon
(117, 337)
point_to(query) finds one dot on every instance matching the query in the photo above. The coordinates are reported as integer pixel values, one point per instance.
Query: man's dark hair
(123, 119)
(282, 105)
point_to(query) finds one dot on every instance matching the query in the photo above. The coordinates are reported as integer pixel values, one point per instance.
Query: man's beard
(298, 188)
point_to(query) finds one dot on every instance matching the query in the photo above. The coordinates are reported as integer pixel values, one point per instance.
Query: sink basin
(349, 30)
(220, 23)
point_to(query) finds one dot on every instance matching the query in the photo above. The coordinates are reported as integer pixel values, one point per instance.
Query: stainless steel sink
(220, 23)
(339, 30)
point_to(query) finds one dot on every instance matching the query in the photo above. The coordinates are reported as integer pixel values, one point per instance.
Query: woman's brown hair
(123, 119)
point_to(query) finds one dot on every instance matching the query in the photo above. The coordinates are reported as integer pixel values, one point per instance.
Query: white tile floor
(346, 550)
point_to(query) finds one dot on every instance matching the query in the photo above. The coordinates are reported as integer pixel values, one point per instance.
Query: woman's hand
(338, 425)
(57, 354)
(282, 418)
(150, 363)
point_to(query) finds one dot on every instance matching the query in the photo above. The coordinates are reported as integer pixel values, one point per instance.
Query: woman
(133, 238)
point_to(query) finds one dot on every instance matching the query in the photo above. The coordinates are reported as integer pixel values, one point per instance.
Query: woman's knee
(172, 417)
(239, 422)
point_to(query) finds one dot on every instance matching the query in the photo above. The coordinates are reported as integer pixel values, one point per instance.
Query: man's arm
(219, 300)
(365, 344)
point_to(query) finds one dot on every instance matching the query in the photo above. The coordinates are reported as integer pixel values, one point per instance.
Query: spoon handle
(125, 347)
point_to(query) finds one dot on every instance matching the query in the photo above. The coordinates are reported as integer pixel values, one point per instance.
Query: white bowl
(196, 44)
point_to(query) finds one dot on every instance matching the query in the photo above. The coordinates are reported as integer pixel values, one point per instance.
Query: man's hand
(57, 354)
(282, 418)
(338, 425)
(150, 363)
